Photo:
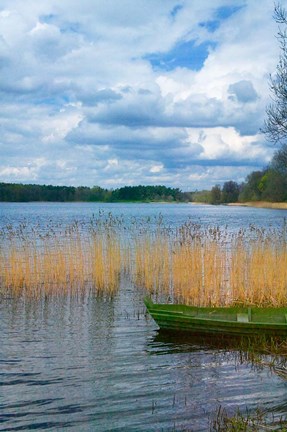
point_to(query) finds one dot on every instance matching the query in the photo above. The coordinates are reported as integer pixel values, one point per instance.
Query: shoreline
(255, 204)
(262, 204)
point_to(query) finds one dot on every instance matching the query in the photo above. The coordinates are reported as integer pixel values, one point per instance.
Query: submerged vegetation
(189, 264)
(247, 422)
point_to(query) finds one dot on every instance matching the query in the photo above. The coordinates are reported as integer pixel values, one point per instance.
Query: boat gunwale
(169, 312)
(232, 323)
(150, 304)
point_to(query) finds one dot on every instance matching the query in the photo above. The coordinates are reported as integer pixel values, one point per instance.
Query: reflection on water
(91, 364)
(169, 342)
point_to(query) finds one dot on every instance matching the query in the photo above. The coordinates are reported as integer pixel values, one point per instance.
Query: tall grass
(64, 261)
(190, 264)
(215, 267)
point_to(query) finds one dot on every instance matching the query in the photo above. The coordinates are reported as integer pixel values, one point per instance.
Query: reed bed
(190, 264)
(61, 262)
(215, 267)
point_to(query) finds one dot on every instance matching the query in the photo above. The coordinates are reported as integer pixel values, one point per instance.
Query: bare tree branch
(275, 125)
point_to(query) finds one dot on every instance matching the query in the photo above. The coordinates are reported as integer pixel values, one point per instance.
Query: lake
(96, 364)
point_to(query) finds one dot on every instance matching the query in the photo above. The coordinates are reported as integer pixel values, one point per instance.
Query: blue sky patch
(225, 12)
(175, 10)
(221, 14)
(64, 26)
(184, 54)
(211, 26)
(48, 19)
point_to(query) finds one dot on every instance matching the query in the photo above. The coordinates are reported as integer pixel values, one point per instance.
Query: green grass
(257, 421)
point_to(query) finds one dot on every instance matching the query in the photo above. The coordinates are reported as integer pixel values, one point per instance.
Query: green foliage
(230, 192)
(269, 184)
(251, 189)
(279, 160)
(255, 421)
(25, 193)
(203, 196)
(227, 194)
(274, 186)
(215, 195)
(147, 193)
(31, 192)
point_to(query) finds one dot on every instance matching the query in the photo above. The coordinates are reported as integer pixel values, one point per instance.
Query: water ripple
(102, 365)
(96, 369)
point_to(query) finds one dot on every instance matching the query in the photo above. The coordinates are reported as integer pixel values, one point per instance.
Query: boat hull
(234, 321)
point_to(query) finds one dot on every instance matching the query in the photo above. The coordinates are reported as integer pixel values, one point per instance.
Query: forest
(13, 192)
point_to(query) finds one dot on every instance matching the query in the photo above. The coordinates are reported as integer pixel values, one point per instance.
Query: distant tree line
(147, 193)
(228, 193)
(13, 192)
(268, 184)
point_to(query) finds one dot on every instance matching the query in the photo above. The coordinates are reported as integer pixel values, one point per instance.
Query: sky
(130, 92)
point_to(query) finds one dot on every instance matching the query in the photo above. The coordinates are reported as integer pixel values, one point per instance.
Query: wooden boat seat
(243, 317)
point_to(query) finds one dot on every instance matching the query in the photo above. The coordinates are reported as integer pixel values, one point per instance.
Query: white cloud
(228, 145)
(18, 172)
(156, 168)
(77, 90)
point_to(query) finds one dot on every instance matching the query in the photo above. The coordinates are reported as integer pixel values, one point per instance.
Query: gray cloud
(92, 98)
(243, 91)
(80, 103)
(138, 109)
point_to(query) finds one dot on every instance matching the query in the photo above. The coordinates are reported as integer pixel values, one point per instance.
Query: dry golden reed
(213, 267)
(61, 262)
(190, 264)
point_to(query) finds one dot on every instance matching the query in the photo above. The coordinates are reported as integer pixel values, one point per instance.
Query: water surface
(173, 214)
(93, 364)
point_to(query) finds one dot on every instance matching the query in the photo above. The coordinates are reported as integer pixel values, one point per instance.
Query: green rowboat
(220, 320)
